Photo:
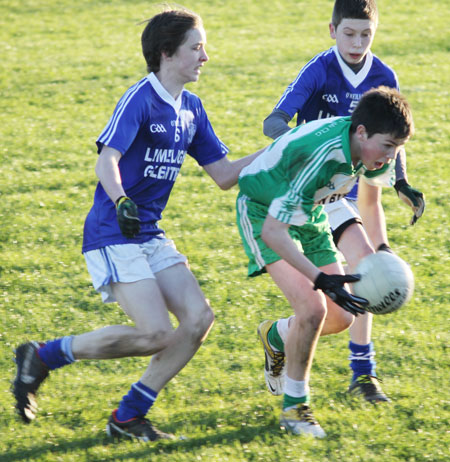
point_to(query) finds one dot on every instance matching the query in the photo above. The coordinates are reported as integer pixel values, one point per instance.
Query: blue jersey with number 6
(153, 132)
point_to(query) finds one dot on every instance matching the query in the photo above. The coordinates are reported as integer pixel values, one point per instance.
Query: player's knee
(358, 253)
(345, 320)
(200, 324)
(155, 340)
(341, 320)
(313, 317)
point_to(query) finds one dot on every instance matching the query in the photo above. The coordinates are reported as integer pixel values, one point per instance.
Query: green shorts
(313, 238)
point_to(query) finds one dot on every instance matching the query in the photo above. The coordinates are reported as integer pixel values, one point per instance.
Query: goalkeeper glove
(412, 197)
(127, 217)
(332, 285)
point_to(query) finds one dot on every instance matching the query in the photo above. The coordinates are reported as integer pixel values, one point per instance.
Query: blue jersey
(153, 132)
(326, 87)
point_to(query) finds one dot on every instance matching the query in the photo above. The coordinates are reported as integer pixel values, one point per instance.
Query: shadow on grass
(224, 437)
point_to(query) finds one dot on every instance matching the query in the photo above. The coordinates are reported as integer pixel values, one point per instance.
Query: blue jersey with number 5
(327, 87)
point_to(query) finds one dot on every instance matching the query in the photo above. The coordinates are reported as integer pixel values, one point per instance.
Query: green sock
(274, 338)
(290, 401)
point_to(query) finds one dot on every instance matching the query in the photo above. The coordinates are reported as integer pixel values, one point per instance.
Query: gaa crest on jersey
(157, 128)
(330, 98)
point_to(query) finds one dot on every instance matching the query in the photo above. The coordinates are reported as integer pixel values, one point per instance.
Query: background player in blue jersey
(154, 125)
(331, 84)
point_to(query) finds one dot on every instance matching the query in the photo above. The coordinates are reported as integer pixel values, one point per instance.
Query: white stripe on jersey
(291, 86)
(309, 171)
(317, 160)
(271, 156)
(246, 226)
(110, 129)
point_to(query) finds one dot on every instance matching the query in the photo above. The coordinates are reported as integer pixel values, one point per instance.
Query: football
(386, 281)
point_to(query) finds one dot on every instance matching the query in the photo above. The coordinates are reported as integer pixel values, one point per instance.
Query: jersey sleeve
(291, 209)
(302, 172)
(205, 147)
(297, 94)
(128, 116)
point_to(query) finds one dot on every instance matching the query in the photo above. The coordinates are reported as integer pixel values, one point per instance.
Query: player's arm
(276, 124)
(297, 94)
(275, 235)
(225, 172)
(372, 213)
(107, 170)
(411, 196)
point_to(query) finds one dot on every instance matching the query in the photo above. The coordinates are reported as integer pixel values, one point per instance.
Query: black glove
(384, 248)
(127, 216)
(412, 197)
(332, 285)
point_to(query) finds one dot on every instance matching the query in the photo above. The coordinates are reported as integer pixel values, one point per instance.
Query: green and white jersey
(307, 166)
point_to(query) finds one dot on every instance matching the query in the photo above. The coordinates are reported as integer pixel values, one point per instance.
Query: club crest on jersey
(157, 128)
(191, 132)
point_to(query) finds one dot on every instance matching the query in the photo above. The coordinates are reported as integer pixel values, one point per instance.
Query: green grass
(64, 65)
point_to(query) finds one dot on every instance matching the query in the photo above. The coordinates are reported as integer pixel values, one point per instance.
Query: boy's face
(190, 56)
(379, 149)
(354, 38)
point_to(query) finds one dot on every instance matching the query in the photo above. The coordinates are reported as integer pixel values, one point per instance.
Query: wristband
(384, 248)
(120, 199)
(399, 184)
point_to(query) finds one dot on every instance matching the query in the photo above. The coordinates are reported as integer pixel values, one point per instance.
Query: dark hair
(354, 9)
(384, 110)
(164, 33)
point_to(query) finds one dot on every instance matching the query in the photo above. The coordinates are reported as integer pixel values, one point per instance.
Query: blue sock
(362, 359)
(57, 353)
(136, 403)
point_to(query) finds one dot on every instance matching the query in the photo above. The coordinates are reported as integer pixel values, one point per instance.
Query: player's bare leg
(186, 301)
(336, 320)
(144, 303)
(311, 319)
(152, 332)
(355, 245)
(182, 296)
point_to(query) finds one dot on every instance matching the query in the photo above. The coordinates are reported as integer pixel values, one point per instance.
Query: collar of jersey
(360, 169)
(354, 79)
(163, 93)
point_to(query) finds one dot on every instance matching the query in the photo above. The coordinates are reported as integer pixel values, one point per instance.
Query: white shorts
(130, 263)
(342, 211)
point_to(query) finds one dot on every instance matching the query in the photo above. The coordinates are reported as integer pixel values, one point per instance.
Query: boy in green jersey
(280, 208)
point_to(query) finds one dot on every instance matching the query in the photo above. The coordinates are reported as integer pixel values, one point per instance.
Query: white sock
(295, 388)
(283, 328)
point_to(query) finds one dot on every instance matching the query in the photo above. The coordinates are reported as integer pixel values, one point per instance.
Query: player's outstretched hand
(412, 197)
(127, 217)
(332, 285)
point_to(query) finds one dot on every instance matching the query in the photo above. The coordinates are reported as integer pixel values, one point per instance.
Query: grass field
(64, 66)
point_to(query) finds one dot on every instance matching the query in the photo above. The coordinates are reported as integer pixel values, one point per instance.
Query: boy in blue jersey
(285, 230)
(331, 84)
(154, 126)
